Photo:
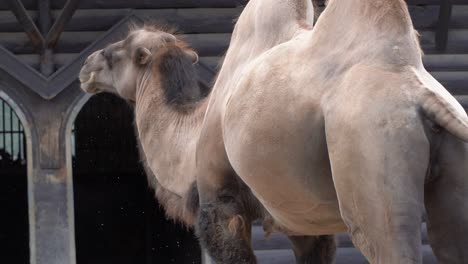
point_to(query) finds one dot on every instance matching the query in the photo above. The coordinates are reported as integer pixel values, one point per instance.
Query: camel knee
(389, 245)
(224, 231)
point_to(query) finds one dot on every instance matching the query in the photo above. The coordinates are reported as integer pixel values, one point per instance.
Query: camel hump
(442, 108)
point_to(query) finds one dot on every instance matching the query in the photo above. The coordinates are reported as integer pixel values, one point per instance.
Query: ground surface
(276, 249)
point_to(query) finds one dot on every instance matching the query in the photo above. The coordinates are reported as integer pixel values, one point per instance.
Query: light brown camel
(340, 128)
(154, 71)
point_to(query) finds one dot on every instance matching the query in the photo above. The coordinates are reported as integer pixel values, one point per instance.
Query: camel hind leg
(314, 249)
(379, 158)
(446, 199)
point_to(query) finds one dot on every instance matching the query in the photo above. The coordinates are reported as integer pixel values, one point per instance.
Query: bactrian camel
(338, 129)
(154, 71)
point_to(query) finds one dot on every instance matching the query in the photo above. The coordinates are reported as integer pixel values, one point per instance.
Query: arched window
(117, 219)
(14, 224)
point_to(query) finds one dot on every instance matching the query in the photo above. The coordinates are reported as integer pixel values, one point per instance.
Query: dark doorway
(14, 222)
(116, 216)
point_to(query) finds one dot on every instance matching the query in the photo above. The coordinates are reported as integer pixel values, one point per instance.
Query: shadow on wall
(116, 217)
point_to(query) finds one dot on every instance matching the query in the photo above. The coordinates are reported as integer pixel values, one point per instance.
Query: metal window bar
(12, 136)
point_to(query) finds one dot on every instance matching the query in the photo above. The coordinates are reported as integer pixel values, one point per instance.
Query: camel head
(122, 66)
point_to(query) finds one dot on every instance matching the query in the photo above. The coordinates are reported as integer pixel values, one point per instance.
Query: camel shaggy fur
(154, 71)
(336, 128)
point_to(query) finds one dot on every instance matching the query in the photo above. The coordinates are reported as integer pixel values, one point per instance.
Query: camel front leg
(314, 249)
(224, 226)
(224, 221)
(224, 231)
(379, 169)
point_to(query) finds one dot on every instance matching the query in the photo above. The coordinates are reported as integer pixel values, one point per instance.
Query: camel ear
(142, 56)
(193, 55)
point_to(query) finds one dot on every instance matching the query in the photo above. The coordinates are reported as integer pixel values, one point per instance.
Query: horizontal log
(446, 62)
(208, 44)
(86, 4)
(191, 20)
(75, 42)
(455, 82)
(93, 4)
(457, 41)
(459, 17)
(205, 20)
(195, 20)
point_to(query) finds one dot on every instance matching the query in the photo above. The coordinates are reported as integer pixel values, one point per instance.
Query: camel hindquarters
(446, 200)
(379, 156)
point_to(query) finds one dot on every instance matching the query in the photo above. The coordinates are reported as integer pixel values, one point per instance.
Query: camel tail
(447, 113)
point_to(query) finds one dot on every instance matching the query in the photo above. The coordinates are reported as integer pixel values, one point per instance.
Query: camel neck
(168, 137)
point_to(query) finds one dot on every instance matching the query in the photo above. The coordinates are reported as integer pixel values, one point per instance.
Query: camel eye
(107, 54)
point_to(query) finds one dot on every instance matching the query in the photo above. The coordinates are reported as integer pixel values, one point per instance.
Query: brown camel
(339, 128)
(154, 71)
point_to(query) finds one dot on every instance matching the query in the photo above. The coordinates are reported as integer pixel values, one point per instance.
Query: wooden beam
(50, 87)
(443, 26)
(59, 25)
(44, 16)
(45, 21)
(25, 20)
